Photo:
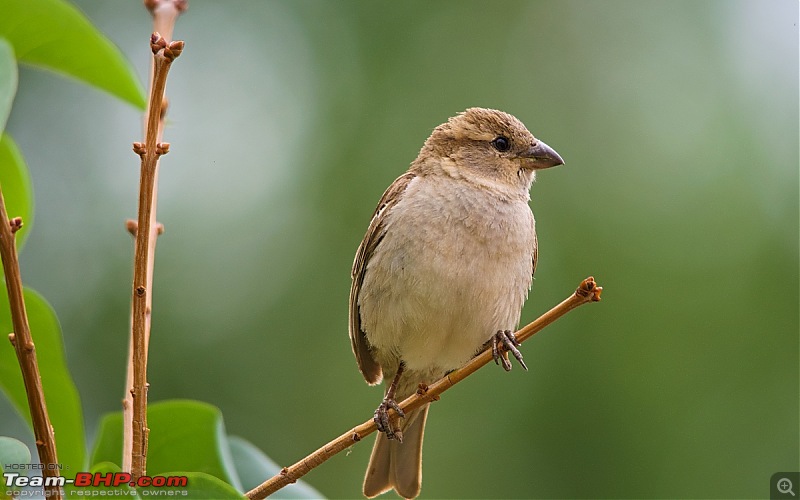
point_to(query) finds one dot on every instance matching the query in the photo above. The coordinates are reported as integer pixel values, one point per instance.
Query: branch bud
(16, 224)
(157, 42)
(173, 50)
(139, 149)
(132, 226)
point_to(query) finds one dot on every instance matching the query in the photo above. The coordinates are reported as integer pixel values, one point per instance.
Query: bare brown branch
(145, 230)
(22, 341)
(165, 13)
(588, 291)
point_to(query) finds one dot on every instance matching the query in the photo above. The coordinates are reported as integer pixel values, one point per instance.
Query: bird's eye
(501, 144)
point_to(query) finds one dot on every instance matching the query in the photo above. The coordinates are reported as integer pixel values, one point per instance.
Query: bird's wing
(535, 252)
(370, 368)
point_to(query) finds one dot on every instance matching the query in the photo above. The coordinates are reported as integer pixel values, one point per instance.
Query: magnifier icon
(785, 486)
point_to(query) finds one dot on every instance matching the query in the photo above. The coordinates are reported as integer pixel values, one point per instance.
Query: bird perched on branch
(443, 270)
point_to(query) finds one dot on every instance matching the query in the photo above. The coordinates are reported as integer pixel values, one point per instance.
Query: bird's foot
(504, 342)
(384, 423)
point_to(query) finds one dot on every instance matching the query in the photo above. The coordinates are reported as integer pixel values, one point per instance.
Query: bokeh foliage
(678, 121)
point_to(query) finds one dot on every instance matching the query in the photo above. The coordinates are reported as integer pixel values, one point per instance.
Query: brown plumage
(446, 263)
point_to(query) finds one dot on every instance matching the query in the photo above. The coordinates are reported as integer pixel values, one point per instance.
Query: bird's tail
(398, 465)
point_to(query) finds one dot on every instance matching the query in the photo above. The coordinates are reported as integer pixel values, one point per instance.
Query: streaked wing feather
(535, 252)
(370, 368)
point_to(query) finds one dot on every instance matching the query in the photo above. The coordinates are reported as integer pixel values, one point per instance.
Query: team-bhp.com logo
(95, 479)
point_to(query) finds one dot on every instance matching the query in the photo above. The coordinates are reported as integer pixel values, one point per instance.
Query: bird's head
(487, 145)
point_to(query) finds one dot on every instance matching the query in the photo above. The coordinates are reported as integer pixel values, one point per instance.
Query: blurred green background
(678, 121)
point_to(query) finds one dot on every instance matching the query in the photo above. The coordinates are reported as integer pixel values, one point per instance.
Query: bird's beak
(541, 156)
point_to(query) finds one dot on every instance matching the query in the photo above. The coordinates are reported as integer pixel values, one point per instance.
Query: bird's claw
(384, 423)
(504, 342)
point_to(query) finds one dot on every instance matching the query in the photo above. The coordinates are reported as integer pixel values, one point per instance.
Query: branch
(144, 255)
(165, 13)
(588, 291)
(26, 352)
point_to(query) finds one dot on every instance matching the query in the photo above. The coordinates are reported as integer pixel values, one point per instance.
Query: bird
(443, 271)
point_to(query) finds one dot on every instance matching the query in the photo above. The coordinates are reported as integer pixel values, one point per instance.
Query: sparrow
(443, 271)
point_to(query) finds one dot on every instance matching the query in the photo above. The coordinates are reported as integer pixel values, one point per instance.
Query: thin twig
(165, 13)
(588, 291)
(22, 341)
(146, 230)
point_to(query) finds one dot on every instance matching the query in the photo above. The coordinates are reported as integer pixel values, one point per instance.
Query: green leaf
(16, 186)
(55, 35)
(184, 435)
(253, 468)
(8, 81)
(104, 467)
(108, 442)
(63, 403)
(13, 452)
(199, 485)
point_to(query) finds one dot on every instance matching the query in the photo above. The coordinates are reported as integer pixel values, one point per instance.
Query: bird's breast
(453, 267)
